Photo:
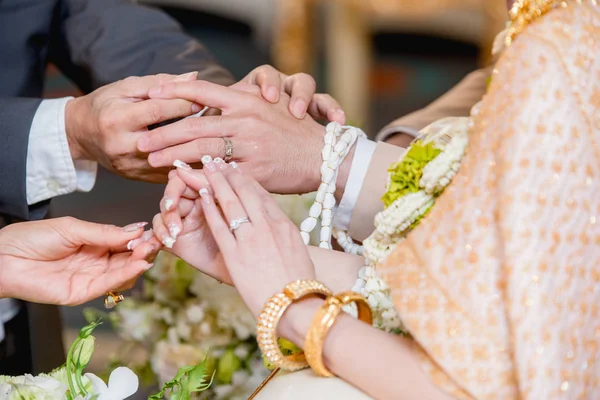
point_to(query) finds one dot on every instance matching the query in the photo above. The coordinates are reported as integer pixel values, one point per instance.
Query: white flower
(167, 358)
(138, 321)
(195, 313)
(122, 383)
(28, 387)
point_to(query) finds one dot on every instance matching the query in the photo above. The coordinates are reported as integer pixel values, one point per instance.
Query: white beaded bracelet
(338, 141)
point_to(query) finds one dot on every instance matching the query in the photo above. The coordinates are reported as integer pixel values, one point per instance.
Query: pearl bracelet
(338, 141)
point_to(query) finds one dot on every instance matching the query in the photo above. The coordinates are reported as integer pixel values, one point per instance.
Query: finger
(217, 225)
(224, 194)
(173, 219)
(324, 106)
(161, 231)
(270, 205)
(150, 112)
(301, 88)
(146, 236)
(202, 92)
(245, 190)
(190, 152)
(194, 179)
(108, 236)
(269, 81)
(147, 251)
(187, 130)
(138, 87)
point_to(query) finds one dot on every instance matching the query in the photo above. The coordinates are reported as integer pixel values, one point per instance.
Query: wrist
(74, 128)
(343, 174)
(313, 172)
(296, 321)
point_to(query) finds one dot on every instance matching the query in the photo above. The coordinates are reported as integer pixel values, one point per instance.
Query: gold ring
(112, 299)
(228, 149)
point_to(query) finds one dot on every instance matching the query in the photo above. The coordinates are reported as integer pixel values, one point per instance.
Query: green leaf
(189, 379)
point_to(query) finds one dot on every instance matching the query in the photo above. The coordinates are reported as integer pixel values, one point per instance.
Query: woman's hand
(301, 88)
(182, 228)
(262, 255)
(67, 261)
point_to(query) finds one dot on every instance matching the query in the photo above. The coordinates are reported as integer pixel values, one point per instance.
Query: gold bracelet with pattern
(271, 315)
(322, 322)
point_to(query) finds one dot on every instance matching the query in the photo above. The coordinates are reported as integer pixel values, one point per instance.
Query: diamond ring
(236, 223)
(112, 299)
(228, 149)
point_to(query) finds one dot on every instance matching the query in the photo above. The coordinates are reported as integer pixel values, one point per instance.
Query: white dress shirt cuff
(390, 131)
(51, 171)
(358, 170)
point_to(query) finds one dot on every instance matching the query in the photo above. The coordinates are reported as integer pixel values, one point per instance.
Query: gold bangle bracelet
(324, 320)
(271, 315)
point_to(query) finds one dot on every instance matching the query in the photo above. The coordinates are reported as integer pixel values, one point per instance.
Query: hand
(301, 87)
(104, 125)
(183, 230)
(280, 151)
(66, 261)
(262, 255)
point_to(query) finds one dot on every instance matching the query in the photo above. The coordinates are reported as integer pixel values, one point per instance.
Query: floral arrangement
(183, 317)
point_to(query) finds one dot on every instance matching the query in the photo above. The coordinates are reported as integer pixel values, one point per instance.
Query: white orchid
(122, 383)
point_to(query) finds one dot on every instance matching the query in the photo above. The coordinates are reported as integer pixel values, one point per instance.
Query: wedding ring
(228, 149)
(112, 299)
(236, 223)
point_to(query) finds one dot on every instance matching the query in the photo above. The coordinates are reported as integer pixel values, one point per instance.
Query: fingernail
(147, 235)
(205, 195)
(129, 245)
(174, 230)
(154, 91)
(143, 142)
(134, 227)
(233, 164)
(299, 109)
(206, 159)
(182, 165)
(150, 265)
(168, 204)
(168, 242)
(186, 77)
(273, 94)
(220, 163)
(340, 111)
(196, 108)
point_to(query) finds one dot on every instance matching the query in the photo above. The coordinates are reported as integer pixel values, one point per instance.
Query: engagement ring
(236, 223)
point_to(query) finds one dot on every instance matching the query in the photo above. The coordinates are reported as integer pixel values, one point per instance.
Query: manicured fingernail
(143, 142)
(340, 111)
(168, 242)
(154, 91)
(129, 245)
(182, 165)
(204, 195)
(210, 167)
(233, 164)
(186, 77)
(147, 235)
(299, 109)
(220, 163)
(168, 204)
(174, 230)
(206, 159)
(273, 94)
(134, 227)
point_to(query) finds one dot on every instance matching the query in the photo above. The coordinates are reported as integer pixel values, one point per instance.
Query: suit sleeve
(100, 42)
(455, 103)
(16, 117)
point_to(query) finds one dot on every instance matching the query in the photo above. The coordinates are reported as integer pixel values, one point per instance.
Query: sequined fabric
(500, 284)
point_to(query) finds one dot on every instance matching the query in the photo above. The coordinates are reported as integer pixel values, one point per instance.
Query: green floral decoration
(406, 174)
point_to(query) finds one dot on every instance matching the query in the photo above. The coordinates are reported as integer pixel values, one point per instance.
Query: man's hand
(301, 88)
(67, 261)
(280, 151)
(104, 125)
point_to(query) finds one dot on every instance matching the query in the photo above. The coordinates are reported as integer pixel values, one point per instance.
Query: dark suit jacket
(94, 42)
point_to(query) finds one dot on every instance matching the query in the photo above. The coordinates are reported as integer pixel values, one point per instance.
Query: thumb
(110, 236)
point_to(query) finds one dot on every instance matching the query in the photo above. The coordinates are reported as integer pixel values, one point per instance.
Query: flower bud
(82, 354)
(87, 330)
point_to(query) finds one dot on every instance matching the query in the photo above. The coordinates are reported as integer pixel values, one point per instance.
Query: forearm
(393, 370)
(337, 270)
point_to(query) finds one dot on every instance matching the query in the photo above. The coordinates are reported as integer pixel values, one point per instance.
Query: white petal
(122, 383)
(98, 384)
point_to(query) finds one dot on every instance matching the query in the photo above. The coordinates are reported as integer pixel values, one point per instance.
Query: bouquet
(70, 383)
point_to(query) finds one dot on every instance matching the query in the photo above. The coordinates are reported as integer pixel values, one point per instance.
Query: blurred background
(381, 59)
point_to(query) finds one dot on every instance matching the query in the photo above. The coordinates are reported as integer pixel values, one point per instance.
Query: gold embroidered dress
(500, 284)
